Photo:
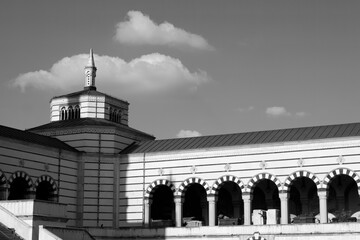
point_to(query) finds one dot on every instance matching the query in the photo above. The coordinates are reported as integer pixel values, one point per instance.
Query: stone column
(284, 210)
(247, 208)
(212, 209)
(178, 211)
(323, 206)
(147, 212)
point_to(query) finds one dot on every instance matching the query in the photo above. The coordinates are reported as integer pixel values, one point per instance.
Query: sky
(187, 68)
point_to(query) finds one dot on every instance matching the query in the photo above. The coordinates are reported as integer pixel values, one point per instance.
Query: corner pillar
(147, 212)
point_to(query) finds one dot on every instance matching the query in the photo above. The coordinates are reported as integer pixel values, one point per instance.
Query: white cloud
(188, 133)
(277, 111)
(149, 73)
(139, 29)
(282, 112)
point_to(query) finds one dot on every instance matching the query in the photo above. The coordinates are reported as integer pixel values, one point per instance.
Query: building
(87, 169)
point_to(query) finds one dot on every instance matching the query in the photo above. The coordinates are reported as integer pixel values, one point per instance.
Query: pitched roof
(89, 91)
(86, 122)
(33, 138)
(247, 138)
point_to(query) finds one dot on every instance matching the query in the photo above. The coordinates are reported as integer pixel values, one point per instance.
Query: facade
(110, 175)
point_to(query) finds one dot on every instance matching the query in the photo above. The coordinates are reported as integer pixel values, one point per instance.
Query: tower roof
(91, 62)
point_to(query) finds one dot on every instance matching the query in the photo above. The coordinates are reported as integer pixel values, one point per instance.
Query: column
(247, 208)
(212, 209)
(178, 211)
(323, 206)
(284, 209)
(147, 212)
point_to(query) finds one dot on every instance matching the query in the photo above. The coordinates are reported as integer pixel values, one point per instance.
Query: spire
(91, 62)
(90, 72)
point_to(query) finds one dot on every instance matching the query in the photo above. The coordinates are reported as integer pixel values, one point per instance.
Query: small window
(62, 113)
(77, 112)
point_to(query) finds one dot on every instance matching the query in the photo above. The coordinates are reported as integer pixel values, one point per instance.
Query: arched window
(46, 189)
(118, 117)
(20, 186)
(114, 113)
(71, 112)
(77, 111)
(62, 113)
(110, 113)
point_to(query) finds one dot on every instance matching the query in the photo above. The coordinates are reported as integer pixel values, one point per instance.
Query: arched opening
(19, 189)
(162, 207)
(62, 113)
(343, 198)
(77, 112)
(71, 113)
(303, 200)
(45, 192)
(118, 117)
(230, 204)
(195, 204)
(265, 203)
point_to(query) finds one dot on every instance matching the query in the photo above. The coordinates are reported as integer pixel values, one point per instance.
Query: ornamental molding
(340, 160)
(258, 149)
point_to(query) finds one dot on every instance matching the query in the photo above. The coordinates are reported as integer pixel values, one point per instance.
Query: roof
(33, 138)
(86, 122)
(248, 138)
(88, 91)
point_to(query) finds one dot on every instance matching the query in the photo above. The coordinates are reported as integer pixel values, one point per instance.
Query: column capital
(211, 198)
(284, 195)
(178, 199)
(247, 196)
(147, 200)
(322, 193)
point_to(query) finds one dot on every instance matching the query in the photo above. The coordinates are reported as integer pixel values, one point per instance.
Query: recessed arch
(48, 179)
(156, 183)
(298, 174)
(184, 185)
(340, 171)
(20, 186)
(261, 176)
(227, 178)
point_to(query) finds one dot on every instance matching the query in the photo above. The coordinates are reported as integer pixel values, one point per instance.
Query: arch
(298, 174)
(118, 117)
(340, 171)
(20, 186)
(262, 176)
(21, 174)
(183, 186)
(226, 178)
(47, 178)
(153, 185)
(71, 113)
(77, 112)
(62, 113)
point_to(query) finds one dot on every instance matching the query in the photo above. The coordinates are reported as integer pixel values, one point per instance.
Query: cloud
(188, 133)
(149, 73)
(282, 112)
(277, 111)
(139, 29)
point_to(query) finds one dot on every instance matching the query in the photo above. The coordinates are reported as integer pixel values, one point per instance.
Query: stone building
(87, 169)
